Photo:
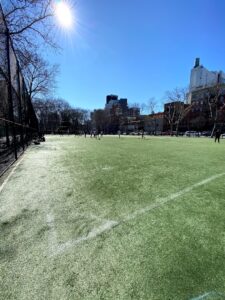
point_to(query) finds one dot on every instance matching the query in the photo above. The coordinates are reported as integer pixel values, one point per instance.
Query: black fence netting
(18, 122)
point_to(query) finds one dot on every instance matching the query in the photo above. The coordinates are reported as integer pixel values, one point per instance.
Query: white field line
(91, 216)
(202, 296)
(162, 201)
(206, 295)
(12, 172)
(108, 225)
(52, 237)
(92, 234)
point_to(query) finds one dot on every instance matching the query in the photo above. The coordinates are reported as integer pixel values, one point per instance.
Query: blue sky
(137, 49)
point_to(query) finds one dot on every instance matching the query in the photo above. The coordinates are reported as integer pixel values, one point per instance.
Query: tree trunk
(171, 129)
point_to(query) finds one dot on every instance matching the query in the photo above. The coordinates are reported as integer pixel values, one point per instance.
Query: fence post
(7, 134)
(20, 104)
(10, 100)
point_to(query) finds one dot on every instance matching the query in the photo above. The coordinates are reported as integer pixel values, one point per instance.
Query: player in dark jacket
(217, 136)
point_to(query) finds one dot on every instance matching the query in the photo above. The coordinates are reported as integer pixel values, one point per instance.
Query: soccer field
(114, 219)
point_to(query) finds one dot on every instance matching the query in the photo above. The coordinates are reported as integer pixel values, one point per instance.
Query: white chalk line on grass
(91, 216)
(56, 248)
(206, 295)
(202, 296)
(11, 173)
(52, 237)
(92, 234)
(161, 201)
(110, 224)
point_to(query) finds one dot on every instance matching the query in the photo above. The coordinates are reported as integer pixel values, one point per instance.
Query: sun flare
(64, 14)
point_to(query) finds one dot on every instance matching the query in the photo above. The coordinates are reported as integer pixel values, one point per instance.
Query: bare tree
(29, 23)
(170, 115)
(30, 26)
(39, 75)
(182, 110)
(151, 105)
(136, 105)
(57, 114)
(215, 97)
(84, 115)
(99, 119)
(143, 107)
(176, 107)
(177, 94)
(49, 112)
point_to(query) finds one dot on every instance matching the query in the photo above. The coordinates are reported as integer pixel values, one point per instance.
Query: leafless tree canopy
(177, 94)
(29, 23)
(39, 76)
(176, 107)
(215, 97)
(151, 105)
(54, 114)
(136, 105)
(31, 26)
(100, 119)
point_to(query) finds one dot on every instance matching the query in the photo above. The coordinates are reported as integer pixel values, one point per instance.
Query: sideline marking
(12, 172)
(109, 225)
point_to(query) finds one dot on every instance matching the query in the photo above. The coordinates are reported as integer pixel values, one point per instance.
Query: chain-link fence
(18, 122)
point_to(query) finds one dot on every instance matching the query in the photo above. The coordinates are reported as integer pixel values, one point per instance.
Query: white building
(201, 78)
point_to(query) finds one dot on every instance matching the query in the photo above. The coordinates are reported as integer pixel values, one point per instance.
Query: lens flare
(64, 14)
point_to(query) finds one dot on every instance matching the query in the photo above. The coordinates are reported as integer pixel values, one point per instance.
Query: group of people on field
(97, 134)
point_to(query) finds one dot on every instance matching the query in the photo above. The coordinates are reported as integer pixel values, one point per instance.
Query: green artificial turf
(78, 220)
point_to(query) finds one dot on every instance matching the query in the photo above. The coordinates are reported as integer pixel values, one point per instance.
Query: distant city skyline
(137, 49)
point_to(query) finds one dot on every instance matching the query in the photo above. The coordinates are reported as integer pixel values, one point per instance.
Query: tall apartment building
(206, 96)
(116, 105)
(202, 80)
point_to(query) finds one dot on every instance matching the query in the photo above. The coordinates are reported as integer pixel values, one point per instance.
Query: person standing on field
(217, 136)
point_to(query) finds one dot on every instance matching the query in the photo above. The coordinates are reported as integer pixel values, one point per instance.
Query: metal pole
(10, 100)
(20, 105)
(7, 134)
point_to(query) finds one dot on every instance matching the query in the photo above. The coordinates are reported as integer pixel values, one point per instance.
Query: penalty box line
(110, 224)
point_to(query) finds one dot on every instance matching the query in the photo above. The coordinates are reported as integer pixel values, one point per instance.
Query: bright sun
(64, 14)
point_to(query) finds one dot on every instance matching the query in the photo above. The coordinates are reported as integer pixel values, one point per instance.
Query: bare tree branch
(30, 23)
(39, 75)
(151, 105)
(176, 107)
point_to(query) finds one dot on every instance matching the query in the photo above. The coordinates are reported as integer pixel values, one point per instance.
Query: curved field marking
(209, 294)
(109, 225)
(12, 172)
